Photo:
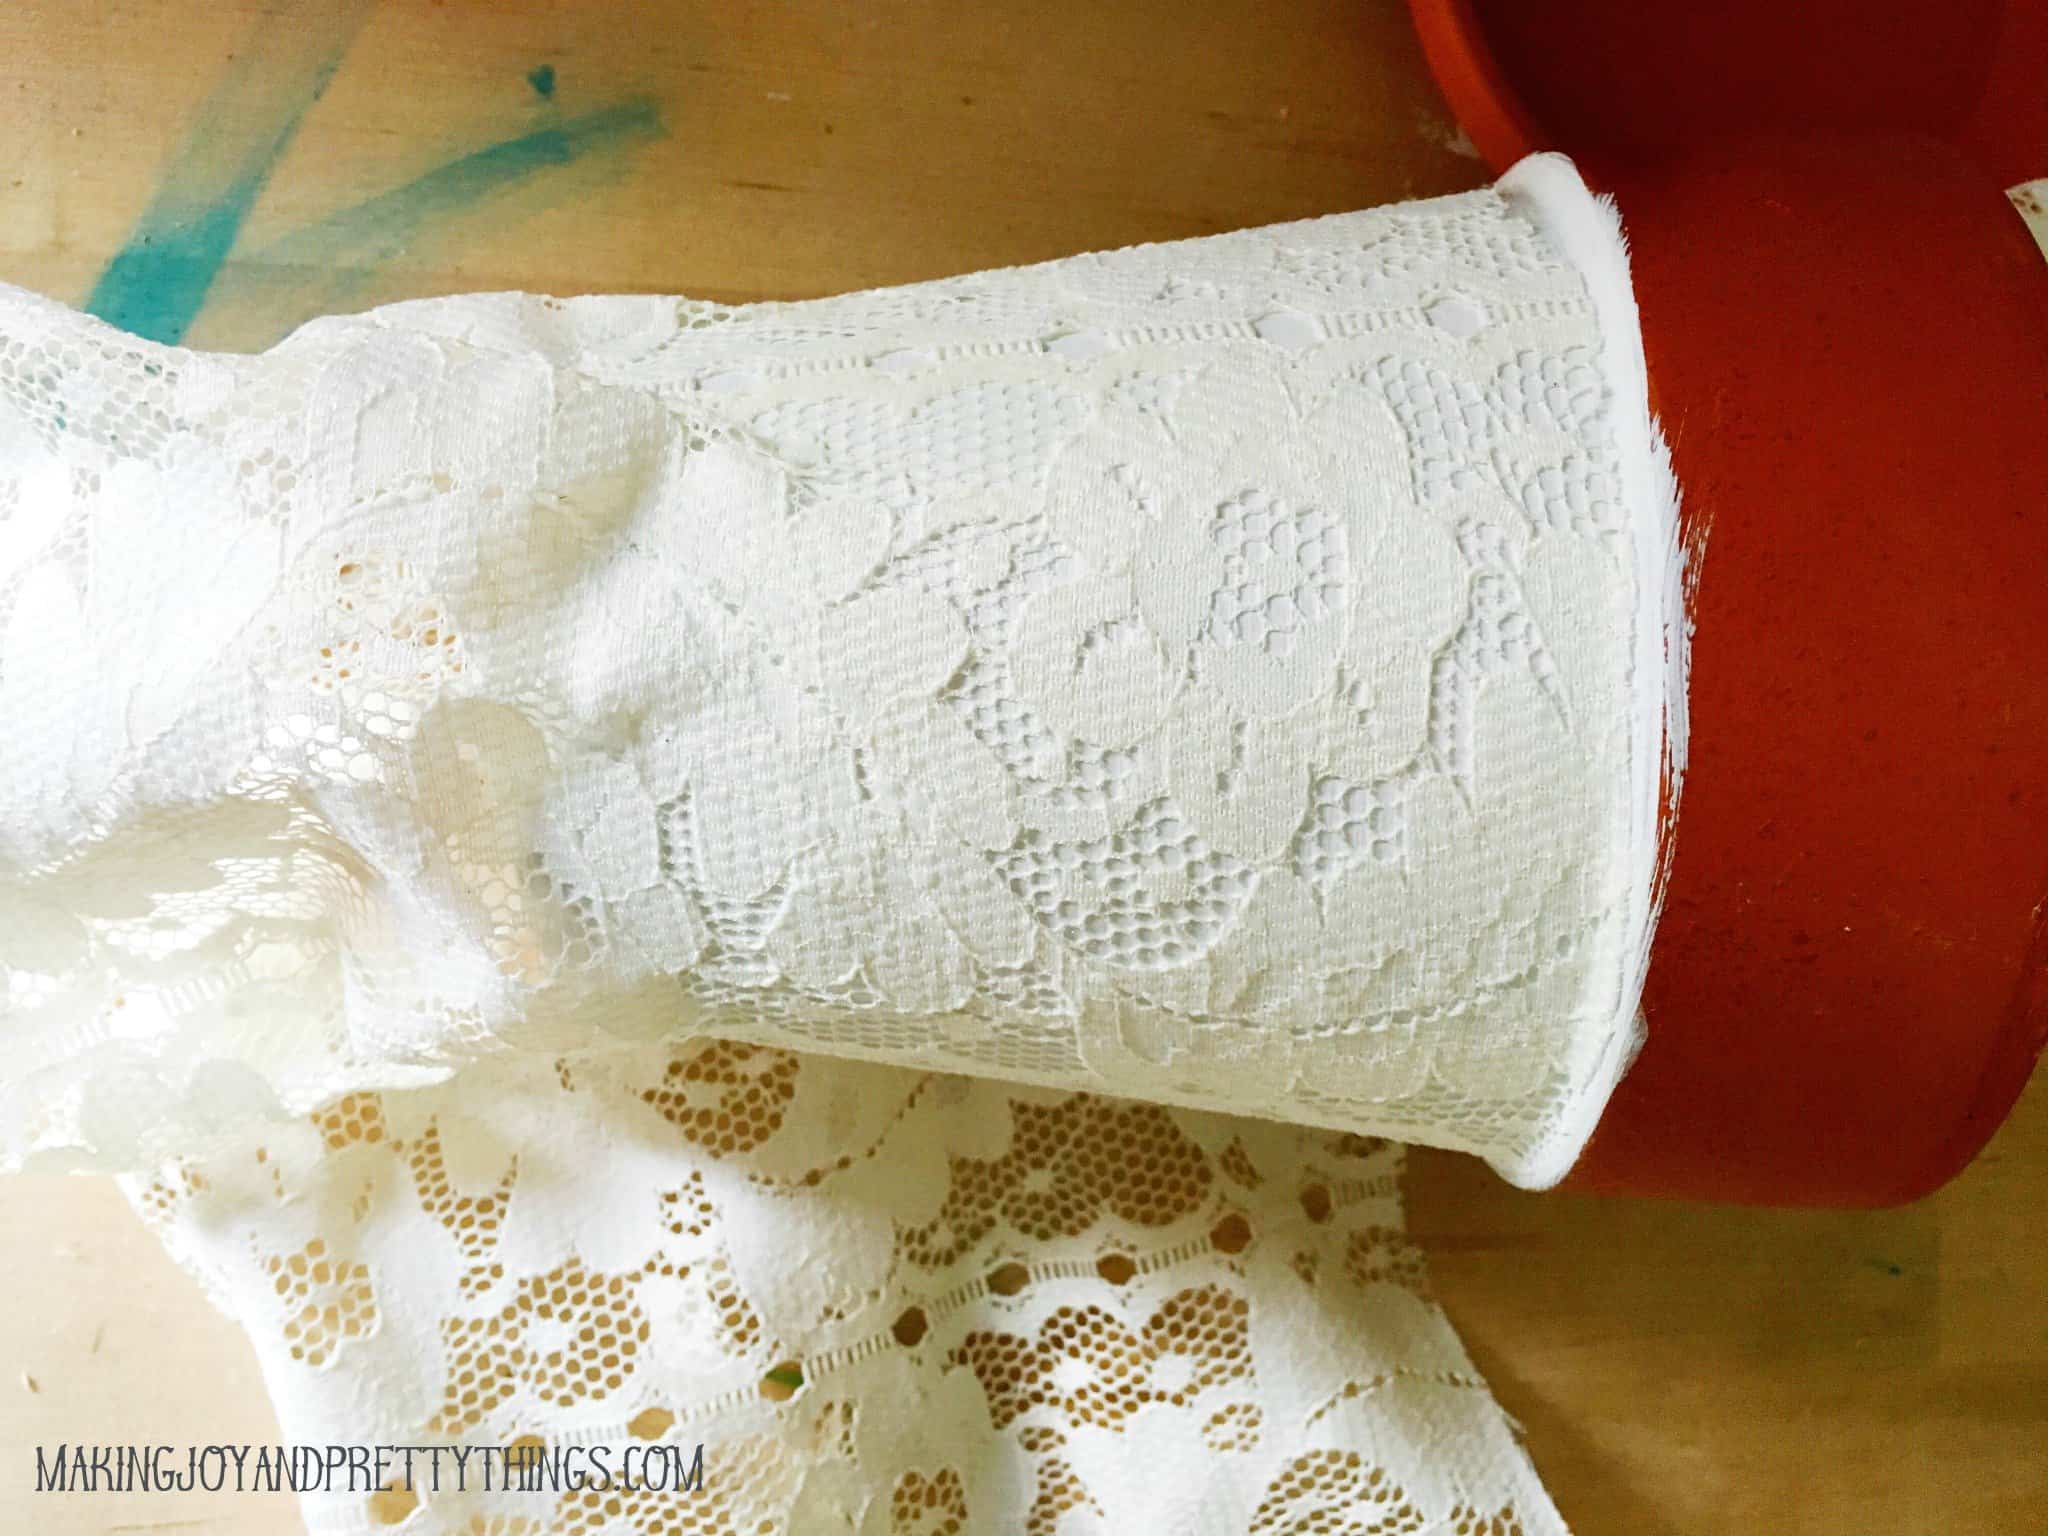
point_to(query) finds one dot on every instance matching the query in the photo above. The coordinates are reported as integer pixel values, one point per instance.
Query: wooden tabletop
(217, 173)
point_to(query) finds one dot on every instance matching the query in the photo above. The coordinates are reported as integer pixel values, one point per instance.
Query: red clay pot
(1846, 326)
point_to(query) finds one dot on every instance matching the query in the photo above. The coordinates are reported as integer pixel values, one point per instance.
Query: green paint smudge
(542, 79)
(351, 243)
(156, 284)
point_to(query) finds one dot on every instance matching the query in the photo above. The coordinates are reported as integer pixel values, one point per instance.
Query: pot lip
(2001, 129)
(1491, 112)
(2008, 1065)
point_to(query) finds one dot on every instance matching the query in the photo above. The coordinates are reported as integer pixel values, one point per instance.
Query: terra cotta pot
(1846, 326)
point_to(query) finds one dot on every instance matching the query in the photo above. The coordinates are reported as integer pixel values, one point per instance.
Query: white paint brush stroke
(1586, 229)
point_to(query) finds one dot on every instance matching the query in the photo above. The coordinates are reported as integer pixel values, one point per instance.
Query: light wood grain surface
(1678, 1369)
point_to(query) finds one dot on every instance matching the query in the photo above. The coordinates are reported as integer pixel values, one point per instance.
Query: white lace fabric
(469, 770)
(882, 1301)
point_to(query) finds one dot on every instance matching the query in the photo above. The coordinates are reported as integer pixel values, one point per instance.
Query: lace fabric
(881, 1300)
(470, 769)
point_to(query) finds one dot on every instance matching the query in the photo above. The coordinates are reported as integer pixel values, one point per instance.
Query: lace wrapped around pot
(1228, 673)
(468, 771)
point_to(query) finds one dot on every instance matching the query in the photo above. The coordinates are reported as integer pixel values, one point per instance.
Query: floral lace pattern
(470, 770)
(1202, 672)
(882, 1301)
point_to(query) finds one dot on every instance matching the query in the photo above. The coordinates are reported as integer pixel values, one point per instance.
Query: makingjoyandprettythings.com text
(524, 1468)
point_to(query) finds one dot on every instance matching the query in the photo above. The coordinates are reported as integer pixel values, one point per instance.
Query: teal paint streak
(156, 284)
(359, 239)
(542, 79)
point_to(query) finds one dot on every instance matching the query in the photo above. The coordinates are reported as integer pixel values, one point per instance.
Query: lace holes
(392, 1506)
(1116, 1268)
(650, 1423)
(1008, 1279)
(783, 1382)
(1233, 1234)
